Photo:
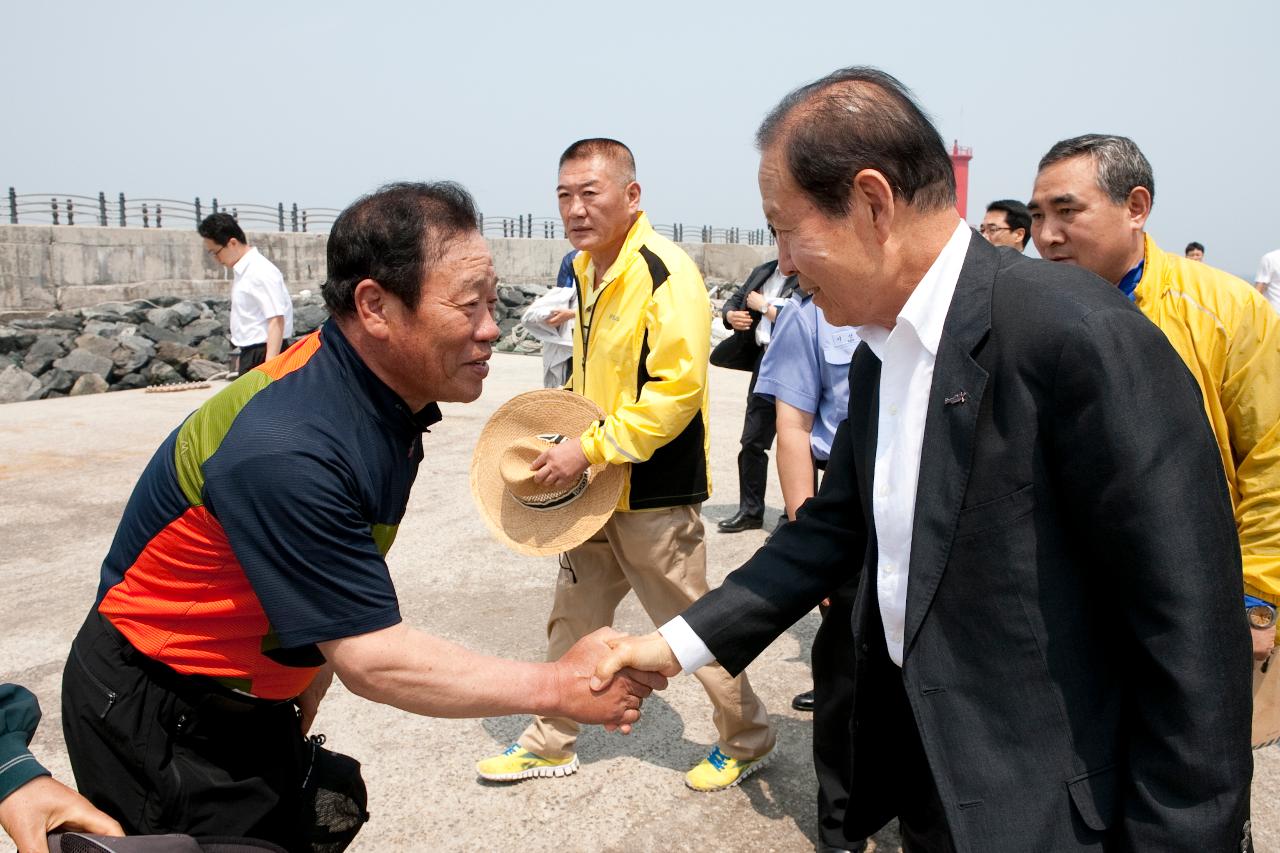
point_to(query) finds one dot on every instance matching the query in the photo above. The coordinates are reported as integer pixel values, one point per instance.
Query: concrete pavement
(67, 467)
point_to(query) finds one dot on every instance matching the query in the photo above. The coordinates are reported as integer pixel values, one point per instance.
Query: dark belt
(197, 690)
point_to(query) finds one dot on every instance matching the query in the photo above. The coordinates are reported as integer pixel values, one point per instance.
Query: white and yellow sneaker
(516, 763)
(718, 771)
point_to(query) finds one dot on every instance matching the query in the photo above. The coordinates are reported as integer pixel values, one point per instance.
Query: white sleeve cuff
(687, 646)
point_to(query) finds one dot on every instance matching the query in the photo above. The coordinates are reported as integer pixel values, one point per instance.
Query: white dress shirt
(907, 353)
(770, 291)
(557, 341)
(258, 294)
(1268, 278)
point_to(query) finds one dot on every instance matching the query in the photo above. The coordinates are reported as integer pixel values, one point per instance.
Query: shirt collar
(245, 259)
(381, 399)
(775, 281)
(1129, 283)
(926, 308)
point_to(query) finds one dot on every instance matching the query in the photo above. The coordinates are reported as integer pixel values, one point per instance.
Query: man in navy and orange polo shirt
(249, 567)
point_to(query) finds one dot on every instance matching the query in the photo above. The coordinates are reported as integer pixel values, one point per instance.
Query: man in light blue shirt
(806, 372)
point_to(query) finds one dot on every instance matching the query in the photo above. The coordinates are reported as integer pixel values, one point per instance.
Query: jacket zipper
(584, 329)
(584, 326)
(112, 696)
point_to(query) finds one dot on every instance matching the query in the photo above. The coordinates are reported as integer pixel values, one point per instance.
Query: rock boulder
(17, 386)
(80, 361)
(88, 383)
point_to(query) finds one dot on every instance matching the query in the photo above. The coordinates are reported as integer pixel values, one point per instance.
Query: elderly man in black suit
(1047, 646)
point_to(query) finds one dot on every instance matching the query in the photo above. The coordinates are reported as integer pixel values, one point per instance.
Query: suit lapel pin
(956, 399)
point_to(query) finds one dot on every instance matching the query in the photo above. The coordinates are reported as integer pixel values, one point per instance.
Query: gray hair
(1121, 165)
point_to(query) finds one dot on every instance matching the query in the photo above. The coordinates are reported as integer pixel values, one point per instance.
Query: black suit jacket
(738, 301)
(1074, 658)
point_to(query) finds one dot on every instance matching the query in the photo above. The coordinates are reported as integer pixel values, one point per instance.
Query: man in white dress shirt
(1268, 278)
(261, 310)
(1046, 641)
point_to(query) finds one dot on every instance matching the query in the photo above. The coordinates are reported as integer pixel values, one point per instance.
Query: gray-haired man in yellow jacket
(640, 350)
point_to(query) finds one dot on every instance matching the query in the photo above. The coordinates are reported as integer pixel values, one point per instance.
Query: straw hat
(525, 515)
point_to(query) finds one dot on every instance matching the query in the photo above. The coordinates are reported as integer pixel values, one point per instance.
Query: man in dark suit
(1047, 645)
(751, 312)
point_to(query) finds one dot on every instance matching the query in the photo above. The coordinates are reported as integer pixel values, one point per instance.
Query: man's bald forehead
(824, 99)
(854, 119)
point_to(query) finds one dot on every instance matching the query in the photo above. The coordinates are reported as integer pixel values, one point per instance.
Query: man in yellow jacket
(640, 350)
(1090, 205)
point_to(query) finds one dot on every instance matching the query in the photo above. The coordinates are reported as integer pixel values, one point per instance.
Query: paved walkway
(67, 467)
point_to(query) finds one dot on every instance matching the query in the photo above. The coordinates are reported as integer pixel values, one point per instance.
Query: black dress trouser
(759, 427)
(254, 355)
(163, 752)
(832, 711)
(906, 777)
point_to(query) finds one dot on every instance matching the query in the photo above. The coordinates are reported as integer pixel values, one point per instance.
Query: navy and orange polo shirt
(260, 526)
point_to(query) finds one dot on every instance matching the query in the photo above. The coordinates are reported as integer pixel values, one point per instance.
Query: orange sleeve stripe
(292, 358)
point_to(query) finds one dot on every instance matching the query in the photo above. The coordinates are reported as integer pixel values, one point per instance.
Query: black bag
(334, 801)
(333, 798)
(739, 351)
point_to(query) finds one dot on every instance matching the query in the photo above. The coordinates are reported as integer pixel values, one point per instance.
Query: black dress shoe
(741, 522)
(824, 847)
(803, 702)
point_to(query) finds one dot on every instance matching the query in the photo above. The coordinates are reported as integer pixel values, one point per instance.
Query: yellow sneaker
(516, 762)
(718, 771)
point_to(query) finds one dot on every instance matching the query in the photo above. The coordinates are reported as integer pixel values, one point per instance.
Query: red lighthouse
(960, 158)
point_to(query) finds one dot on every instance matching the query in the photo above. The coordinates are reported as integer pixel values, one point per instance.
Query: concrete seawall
(47, 267)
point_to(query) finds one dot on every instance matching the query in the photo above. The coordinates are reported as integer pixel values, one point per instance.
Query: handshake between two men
(596, 683)
(641, 661)
(605, 676)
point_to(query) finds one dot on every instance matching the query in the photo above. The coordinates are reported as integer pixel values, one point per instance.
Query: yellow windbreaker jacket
(640, 350)
(1229, 336)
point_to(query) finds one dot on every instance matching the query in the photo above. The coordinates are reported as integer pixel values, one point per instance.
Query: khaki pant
(661, 555)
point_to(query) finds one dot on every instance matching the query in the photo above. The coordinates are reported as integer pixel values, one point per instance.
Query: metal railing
(71, 209)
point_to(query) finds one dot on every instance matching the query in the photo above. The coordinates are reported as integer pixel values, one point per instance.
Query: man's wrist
(588, 444)
(20, 770)
(1261, 614)
(686, 646)
(546, 695)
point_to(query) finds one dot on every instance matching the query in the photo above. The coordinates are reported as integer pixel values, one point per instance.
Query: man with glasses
(261, 310)
(1007, 223)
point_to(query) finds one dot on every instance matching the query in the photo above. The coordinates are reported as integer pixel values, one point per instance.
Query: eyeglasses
(213, 253)
(984, 228)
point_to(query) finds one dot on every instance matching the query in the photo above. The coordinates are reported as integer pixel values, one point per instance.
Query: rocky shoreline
(117, 346)
(113, 346)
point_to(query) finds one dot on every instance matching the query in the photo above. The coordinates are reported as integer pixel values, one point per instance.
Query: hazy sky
(318, 102)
